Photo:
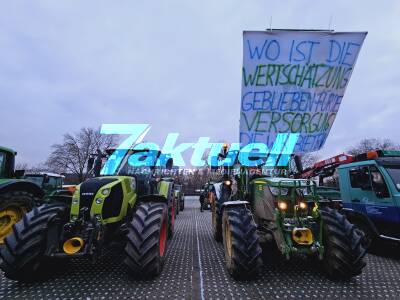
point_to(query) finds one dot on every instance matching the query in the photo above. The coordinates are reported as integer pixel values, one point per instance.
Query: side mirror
(169, 164)
(19, 173)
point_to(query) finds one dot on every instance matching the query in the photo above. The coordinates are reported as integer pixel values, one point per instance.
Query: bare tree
(21, 166)
(368, 144)
(72, 154)
(309, 159)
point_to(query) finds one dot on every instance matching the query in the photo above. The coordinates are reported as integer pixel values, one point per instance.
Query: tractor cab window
(52, 182)
(378, 183)
(2, 164)
(359, 178)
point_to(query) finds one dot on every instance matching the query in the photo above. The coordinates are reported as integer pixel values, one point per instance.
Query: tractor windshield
(140, 162)
(395, 175)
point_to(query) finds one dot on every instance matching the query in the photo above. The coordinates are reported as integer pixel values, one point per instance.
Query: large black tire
(147, 240)
(13, 206)
(242, 248)
(22, 257)
(344, 246)
(216, 224)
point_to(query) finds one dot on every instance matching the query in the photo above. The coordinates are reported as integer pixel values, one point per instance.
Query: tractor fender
(357, 217)
(153, 198)
(22, 185)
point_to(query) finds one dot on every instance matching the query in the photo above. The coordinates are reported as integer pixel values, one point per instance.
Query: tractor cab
(49, 182)
(7, 161)
(149, 168)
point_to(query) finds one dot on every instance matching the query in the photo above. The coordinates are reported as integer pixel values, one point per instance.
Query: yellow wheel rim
(8, 217)
(228, 240)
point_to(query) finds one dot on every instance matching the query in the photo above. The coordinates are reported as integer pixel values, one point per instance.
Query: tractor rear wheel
(147, 237)
(13, 206)
(216, 224)
(242, 249)
(22, 257)
(344, 246)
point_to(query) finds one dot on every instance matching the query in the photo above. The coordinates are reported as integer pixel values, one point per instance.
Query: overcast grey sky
(175, 65)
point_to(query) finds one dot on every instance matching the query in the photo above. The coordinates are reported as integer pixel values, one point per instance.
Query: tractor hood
(105, 198)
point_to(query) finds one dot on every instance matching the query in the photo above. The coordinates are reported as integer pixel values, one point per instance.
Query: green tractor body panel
(289, 209)
(164, 188)
(106, 198)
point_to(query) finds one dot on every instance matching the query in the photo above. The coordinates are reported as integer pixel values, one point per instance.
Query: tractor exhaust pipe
(73, 245)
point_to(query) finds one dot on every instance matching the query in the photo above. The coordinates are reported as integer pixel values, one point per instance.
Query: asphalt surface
(195, 270)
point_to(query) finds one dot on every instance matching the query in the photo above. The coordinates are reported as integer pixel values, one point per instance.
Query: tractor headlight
(302, 205)
(105, 192)
(227, 182)
(99, 200)
(282, 205)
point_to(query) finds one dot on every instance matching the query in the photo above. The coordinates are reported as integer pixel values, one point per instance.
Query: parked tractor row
(254, 215)
(134, 208)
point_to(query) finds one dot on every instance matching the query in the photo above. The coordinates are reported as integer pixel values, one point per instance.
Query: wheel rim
(163, 238)
(228, 240)
(8, 217)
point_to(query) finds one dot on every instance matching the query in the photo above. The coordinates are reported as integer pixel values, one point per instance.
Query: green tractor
(50, 183)
(133, 207)
(283, 214)
(52, 186)
(180, 197)
(17, 195)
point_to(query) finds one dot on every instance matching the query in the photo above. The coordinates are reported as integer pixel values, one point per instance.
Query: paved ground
(195, 270)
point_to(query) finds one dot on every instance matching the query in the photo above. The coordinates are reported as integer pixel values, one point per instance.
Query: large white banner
(294, 82)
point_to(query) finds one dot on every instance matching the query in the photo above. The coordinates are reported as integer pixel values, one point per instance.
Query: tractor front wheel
(13, 206)
(22, 257)
(242, 248)
(344, 246)
(147, 240)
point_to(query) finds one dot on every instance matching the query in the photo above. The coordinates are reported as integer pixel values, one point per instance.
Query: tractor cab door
(370, 195)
